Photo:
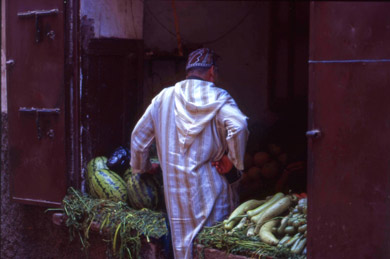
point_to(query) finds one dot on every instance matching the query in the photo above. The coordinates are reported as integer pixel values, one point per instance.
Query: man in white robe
(200, 133)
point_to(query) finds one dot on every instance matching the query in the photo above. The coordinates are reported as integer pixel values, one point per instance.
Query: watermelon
(94, 164)
(107, 184)
(127, 174)
(144, 190)
(97, 163)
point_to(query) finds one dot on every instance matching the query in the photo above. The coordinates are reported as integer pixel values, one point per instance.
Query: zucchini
(274, 210)
(292, 240)
(302, 229)
(239, 211)
(283, 225)
(266, 235)
(251, 231)
(299, 222)
(240, 225)
(290, 230)
(293, 247)
(284, 240)
(259, 209)
(299, 247)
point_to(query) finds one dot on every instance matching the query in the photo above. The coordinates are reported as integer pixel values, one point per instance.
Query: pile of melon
(264, 165)
(138, 190)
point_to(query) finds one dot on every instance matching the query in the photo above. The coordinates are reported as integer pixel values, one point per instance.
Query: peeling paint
(115, 18)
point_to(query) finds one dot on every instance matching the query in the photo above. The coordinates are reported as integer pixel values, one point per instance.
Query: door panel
(349, 180)
(36, 100)
(349, 184)
(112, 70)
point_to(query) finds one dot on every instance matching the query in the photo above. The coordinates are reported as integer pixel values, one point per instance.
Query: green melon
(107, 184)
(94, 164)
(127, 174)
(97, 163)
(144, 190)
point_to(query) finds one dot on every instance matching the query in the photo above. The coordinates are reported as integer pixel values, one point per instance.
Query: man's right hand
(224, 165)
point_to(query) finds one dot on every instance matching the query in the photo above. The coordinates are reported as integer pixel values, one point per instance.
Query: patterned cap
(201, 58)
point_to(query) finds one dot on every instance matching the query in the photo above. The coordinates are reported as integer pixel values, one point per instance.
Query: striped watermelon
(97, 163)
(127, 174)
(107, 184)
(144, 190)
(94, 164)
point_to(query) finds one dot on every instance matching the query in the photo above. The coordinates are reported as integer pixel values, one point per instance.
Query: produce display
(269, 169)
(272, 227)
(139, 190)
(269, 161)
(279, 220)
(261, 170)
(123, 227)
(275, 226)
(104, 183)
(124, 205)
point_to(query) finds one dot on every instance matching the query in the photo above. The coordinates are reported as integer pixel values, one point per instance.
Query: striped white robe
(193, 123)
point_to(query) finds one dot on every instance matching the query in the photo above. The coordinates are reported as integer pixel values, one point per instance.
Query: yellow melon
(248, 161)
(270, 169)
(254, 173)
(260, 158)
(274, 149)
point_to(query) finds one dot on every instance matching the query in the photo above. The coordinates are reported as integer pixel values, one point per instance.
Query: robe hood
(196, 104)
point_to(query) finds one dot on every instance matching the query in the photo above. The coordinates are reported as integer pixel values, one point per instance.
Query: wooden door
(112, 74)
(36, 100)
(349, 158)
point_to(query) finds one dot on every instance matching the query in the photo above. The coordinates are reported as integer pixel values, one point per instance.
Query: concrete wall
(114, 18)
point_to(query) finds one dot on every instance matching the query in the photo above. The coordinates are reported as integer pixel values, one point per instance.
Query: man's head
(202, 63)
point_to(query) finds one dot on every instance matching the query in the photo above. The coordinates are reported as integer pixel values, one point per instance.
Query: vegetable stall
(128, 209)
